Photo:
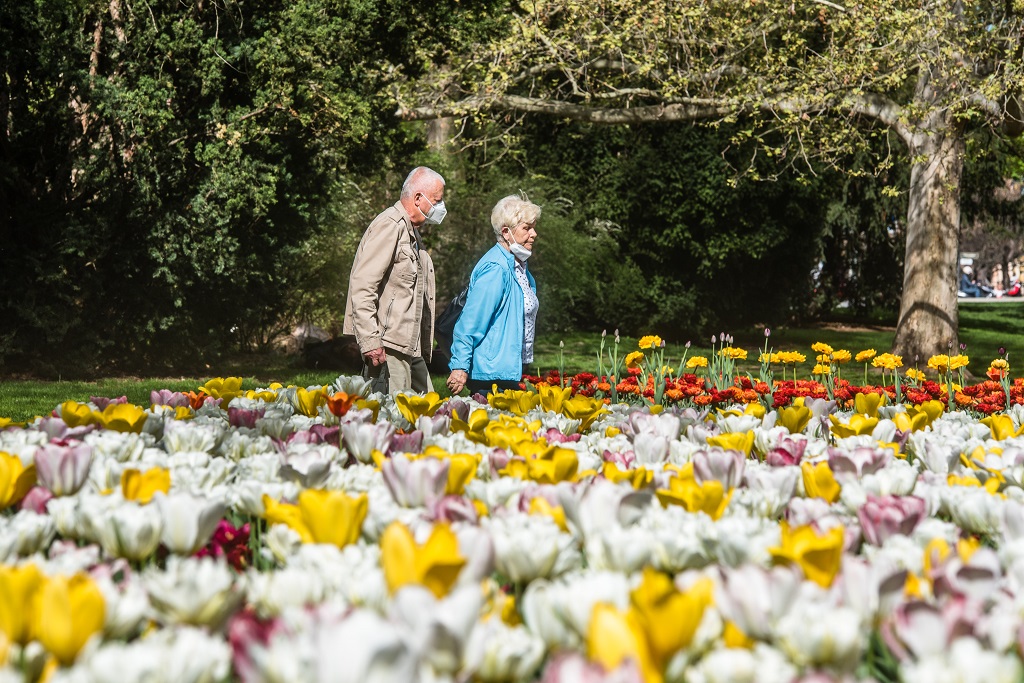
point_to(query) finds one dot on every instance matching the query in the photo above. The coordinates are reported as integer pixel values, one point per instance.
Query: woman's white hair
(513, 210)
(420, 179)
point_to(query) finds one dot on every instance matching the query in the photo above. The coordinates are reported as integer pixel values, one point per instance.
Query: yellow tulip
(859, 424)
(514, 401)
(819, 482)
(552, 397)
(584, 409)
(505, 434)
(66, 613)
(309, 401)
(709, 497)
(18, 586)
(638, 477)
(614, 637)
(77, 414)
(413, 407)
(372, 406)
(905, 422)
(16, 479)
(555, 465)
(329, 517)
(668, 617)
(820, 556)
(733, 637)
(540, 506)
(932, 409)
(612, 431)
(794, 418)
(123, 417)
(474, 427)
(435, 564)
(1002, 427)
(734, 441)
(868, 403)
(225, 388)
(265, 395)
(141, 486)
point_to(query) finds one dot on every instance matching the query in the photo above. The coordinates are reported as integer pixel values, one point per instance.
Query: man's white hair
(513, 210)
(420, 179)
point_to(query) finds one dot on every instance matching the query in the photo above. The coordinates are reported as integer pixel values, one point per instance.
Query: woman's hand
(456, 381)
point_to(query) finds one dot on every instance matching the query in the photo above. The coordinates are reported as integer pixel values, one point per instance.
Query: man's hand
(375, 357)
(457, 380)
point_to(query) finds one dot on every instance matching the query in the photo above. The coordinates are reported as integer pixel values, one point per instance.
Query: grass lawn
(985, 326)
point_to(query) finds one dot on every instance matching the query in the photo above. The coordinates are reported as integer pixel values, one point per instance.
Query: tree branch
(881, 109)
(691, 109)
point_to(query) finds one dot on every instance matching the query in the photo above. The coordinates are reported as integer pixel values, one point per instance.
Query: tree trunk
(929, 318)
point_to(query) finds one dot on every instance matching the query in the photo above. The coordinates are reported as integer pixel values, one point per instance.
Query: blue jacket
(489, 334)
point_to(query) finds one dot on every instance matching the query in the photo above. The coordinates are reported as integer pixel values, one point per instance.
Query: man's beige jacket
(391, 288)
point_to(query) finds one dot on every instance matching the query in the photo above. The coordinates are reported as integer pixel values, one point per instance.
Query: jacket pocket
(387, 316)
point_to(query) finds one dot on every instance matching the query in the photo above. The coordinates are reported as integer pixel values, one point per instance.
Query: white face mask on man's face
(437, 212)
(518, 250)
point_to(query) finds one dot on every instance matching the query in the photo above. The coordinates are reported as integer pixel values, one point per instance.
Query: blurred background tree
(180, 181)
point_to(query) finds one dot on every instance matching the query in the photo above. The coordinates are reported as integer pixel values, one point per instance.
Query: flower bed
(809, 530)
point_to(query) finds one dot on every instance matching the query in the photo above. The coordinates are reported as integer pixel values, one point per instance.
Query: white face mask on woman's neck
(518, 250)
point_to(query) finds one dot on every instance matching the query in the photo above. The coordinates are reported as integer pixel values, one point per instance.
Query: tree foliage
(807, 80)
(165, 164)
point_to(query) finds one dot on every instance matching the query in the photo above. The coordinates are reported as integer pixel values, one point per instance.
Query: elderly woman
(493, 338)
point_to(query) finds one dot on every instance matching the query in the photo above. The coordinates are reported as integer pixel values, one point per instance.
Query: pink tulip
(63, 466)
(575, 668)
(166, 397)
(101, 402)
(883, 517)
(237, 417)
(625, 460)
(858, 461)
(36, 500)
(407, 443)
(316, 434)
(724, 466)
(918, 629)
(555, 436)
(415, 483)
(246, 632)
(786, 452)
(454, 509)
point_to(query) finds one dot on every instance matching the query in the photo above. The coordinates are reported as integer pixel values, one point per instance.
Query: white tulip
(121, 446)
(122, 527)
(24, 534)
(196, 591)
(438, 628)
(270, 593)
(282, 541)
(126, 607)
(559, 611)
(964, 661)
(527, 547)
(625, 550)
(837, 640)
(498, 653)
(762, 664)
(975, 509)
(188, 521)
(650, 448)
(755, 599)
(190, 436)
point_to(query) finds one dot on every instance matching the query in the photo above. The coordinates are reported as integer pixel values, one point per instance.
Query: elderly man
(390, 306)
